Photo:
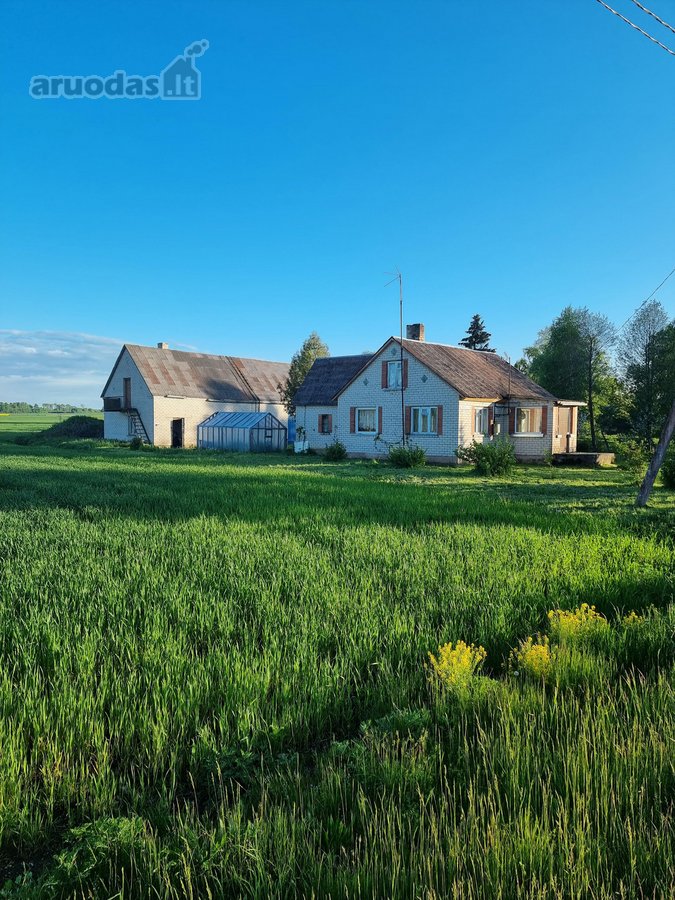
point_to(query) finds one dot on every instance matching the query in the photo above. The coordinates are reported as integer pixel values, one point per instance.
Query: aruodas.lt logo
(180, 80)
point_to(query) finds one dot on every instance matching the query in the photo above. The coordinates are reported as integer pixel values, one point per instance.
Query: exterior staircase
(137, 425)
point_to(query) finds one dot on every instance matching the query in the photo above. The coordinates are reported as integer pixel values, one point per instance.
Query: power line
(636, 27)
(653, 15)
(645, 302)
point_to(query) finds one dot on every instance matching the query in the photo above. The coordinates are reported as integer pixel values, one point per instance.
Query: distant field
(214, 681)
(13, 424)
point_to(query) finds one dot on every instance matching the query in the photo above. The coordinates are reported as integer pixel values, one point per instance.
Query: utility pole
(657, 459)
(398, 277)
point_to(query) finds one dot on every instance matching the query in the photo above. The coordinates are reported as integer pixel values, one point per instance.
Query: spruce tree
(477, 338)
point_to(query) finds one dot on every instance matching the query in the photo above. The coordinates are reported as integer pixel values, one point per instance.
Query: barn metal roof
(238, 420)
(183, 374)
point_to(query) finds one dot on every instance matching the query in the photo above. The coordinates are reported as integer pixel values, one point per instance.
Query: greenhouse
(247, 432)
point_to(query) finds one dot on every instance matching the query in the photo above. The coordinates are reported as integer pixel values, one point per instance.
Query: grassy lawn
(214, 679)
(14, 424)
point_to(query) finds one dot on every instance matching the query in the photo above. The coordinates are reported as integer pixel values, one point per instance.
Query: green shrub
(335, 451)
(632, 457)
(135, 443)
(668, 469)
(78, 427)
(407, 457)
(491, 458)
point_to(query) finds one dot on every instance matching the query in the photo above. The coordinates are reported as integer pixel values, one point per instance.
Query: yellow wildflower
(533, 658)
(566, 625)
(456, 664)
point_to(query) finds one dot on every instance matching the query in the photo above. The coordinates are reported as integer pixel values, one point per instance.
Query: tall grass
(212, 679)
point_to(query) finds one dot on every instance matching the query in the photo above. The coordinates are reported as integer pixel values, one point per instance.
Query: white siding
(116, 424)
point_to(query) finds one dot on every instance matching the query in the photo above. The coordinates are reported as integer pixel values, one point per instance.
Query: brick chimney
(162, 346)
(415, 332)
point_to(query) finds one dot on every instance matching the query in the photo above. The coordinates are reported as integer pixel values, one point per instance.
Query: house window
(394, 377)
(424, 420)
(324, 424)
(480, 421)
(366, 420)
(528, 420)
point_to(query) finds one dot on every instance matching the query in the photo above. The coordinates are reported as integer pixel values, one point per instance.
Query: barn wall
(116, 424)
(194, 410)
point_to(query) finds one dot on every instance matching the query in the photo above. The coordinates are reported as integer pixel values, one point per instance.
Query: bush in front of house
(491, 458)
(136, 443)
(668, 469)
(409, 457)
(335, 452)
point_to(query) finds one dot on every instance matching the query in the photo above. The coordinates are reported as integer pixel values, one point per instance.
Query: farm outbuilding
(246, 432)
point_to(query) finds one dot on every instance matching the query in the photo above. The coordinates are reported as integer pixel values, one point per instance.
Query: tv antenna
(399, 277)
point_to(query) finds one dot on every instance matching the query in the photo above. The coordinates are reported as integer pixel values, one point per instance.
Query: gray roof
(327, 377)
(183, 374)
(246, 420)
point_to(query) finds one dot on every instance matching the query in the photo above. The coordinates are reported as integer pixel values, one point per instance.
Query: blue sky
(509, 158)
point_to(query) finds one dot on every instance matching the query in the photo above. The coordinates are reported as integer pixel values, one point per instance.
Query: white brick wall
(307, 417)
(116, 424)
(432, 391)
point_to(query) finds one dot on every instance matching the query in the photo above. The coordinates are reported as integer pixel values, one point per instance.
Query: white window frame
(373, 410)
(480, 420)
(394, 365)
(529, 432)
(325, 417)
(432, 413)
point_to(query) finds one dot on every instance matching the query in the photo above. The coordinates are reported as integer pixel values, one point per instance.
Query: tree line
(625, 376)
(20, 407)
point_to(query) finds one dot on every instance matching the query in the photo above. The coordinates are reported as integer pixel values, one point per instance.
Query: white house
(162, 395)
(434, 396)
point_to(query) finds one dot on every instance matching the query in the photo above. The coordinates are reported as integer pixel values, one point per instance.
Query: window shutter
(385, 379)
(319, 428)
(544, 419)
(439, 420)
(473, 420)
(404, 374)
(512, 420)
(352, 419)
(330, 424)
(491, 420)
(379, 420)
(407, 420)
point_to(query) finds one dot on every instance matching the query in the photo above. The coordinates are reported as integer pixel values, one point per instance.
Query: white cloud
(55, 366)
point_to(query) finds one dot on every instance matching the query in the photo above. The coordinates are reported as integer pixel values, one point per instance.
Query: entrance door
(127, 393)
(177, 428)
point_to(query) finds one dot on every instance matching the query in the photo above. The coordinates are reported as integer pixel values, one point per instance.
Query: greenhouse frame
(245, 432)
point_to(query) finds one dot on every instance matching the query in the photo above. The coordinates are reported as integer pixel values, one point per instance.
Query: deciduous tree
(302, 361)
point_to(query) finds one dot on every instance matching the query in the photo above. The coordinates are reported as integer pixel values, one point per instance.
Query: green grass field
(214, 680)
(14, 424)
